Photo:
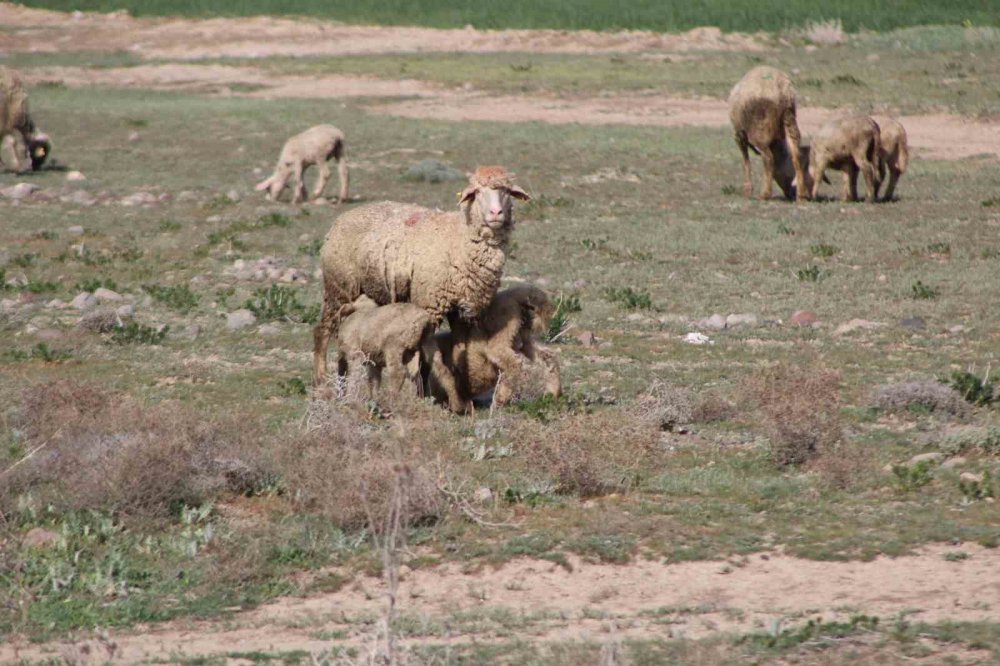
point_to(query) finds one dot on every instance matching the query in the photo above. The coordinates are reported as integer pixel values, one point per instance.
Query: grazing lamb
(473, 358)
(17, 129)
(314, 146)
(894, 155)
(848, 143)
(448, 263)
(389, 336)
(762, 111)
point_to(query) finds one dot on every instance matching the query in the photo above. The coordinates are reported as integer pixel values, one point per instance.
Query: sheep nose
(495, 212)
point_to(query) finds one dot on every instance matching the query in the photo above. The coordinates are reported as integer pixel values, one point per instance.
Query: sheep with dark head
(18, 133)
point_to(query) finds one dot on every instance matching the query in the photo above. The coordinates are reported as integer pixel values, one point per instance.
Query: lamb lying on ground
(763, 114)
(18, 134)
(848, 143)
(894, 155)
(314, 146)
(449, 264)
(392, 337)
(493, 353)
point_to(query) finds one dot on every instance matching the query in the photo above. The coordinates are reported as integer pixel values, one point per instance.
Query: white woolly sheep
(314, 146)
(448, 263)
(848, 143)
(763, 114)
(894, 154)
(17, 129)
(493, 352)
(389, 336)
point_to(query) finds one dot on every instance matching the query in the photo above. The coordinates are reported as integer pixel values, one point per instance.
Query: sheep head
(784, 170)
(489, 197)
(39, 147)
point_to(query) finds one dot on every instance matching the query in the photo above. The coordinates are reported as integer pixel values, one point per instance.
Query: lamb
(848, 143)
(314, 146)
(894, 153)
(390, 336)
(763, 114)
(17, 129)
(474, 358)
(448, 263)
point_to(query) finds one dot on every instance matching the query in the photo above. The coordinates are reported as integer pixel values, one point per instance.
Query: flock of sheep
(393, 272)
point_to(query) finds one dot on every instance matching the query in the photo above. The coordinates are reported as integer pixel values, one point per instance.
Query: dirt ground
(699, 599)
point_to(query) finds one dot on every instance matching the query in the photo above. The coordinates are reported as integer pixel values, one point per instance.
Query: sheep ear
(468, 194)
(263, 185)
(518, 193)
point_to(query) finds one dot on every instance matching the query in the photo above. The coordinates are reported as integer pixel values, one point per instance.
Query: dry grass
(825, 33)
(799, 408)
(916, 396)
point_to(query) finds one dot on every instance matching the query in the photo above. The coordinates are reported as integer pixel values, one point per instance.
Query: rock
(954, 462)
(855, 325)
(213, 218)
(75, 176)
(913, 323)
(56, 303)
(76, 230)
(134, 136)
(804, 318)
(716, 322)
(931, 456)
(269, 329)
(293, 275)
(126, 311)
(39, 537)
(587, 339)
(746, 319)
(187, 195)
(83, 301)
(634, 316)
(8, 305)
(19, 191)
(956, 329)
(240, 319)
(482, 495)
(190, 332)
(233, 196)
(969, 477)
(695, 338)
(80, 198)
(104, 295)
(139, 199)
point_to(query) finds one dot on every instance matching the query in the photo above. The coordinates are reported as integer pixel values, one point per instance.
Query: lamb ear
(468, 194)
(263, 185)
(518, 193)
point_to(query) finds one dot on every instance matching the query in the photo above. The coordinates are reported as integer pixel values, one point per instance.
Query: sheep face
(784, 170)
(491, 206)
(39, 147)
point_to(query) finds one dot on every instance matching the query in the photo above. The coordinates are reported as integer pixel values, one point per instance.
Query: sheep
(762, 112)
(473, 358)
(448, 263)
(391, 336)
(848, 143)
(314, 146)
(17, 129)
(894, 153)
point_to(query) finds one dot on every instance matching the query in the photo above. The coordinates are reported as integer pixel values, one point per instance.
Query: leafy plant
(135, 333)
(170, 225)
(973, 389)
(785, 230)
(280, 303)
(176, 297)
(907, 478)
(823, 250)
(41, 352)
(629, 298)
(294, 386)
(25, 260)
(978, 490)
(45, 235)
(728, 190)
(312, 248)
(922, 291)
(565, 304)
(847, 79)
(810, 273)
(93, 284)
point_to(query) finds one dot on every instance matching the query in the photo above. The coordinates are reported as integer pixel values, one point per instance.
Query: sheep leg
(744, 146)
(768, 158)
(338, 154)
(821, 166)
(342, 369)
(881, 177)
(870, 172)
(321, 181)
(890, 188)
(553, 377)
(794, 140)
(327, 324)
(298, 187)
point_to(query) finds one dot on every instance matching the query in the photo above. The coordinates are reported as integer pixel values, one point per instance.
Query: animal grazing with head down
(492, 352)
(448, 263)
(763, 114)
(894, 154)
(848, 143)
(18, 132)
(314, 146)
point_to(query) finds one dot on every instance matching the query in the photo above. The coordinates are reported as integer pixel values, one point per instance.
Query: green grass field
(729, 15)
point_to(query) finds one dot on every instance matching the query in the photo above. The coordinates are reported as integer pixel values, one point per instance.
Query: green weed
(280, 303)
(565, 305)
(921, 291)
(134, 333)
(629, 298)
(823, 250)
(810, 273)
(975, 390)
(177, 297)
(908, 478)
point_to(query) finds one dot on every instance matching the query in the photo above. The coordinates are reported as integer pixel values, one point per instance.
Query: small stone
(305, 237)
(19, 191)
(716, 322)
(186, 195)
(56, 303)
(293, 275)
(969, 477)
(79, 198)
(134, 136)
(233, 196)
(931, 456)
(83, 301)
(804, 318)
(695, 338)
(587, 339)
(240, 319)
(580, 283)
(126, 311)
(954, 462)
(856, 324)
(214, 218)
(913, 323)
(483, 495)
(269, 329)
(139, 199)
(76, 230)
(39, 537)
(75, 176)
(956, 329)
(8, 305)
(747, 319)
(882, 278)
(104, 295)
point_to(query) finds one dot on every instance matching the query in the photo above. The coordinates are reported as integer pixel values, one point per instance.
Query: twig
(33, 452)
(463, 505)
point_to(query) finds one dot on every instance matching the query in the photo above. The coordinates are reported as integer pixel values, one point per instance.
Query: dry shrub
(664, 407)
(825, 33)
(799, 407)
(845, 464)
(344, 464)
(589, 455)
(98, 449)
(712, 408)
(100, 321)
(930, 396)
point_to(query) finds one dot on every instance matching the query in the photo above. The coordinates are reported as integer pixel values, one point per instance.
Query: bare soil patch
(700, 599)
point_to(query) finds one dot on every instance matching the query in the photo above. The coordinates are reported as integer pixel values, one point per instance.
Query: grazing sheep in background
(894, 155)
(389, 336)
(17, 129)
(848, 143)
(762, 111)
(446, 263)
(314, 146)
(491, 353)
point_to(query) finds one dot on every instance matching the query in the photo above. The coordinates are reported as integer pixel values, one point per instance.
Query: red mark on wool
(412, 220)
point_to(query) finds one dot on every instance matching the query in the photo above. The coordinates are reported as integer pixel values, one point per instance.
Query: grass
(730, 15)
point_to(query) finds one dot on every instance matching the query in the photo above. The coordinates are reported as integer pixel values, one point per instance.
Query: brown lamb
(895, 153)
(17, 129)
(848, 143)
